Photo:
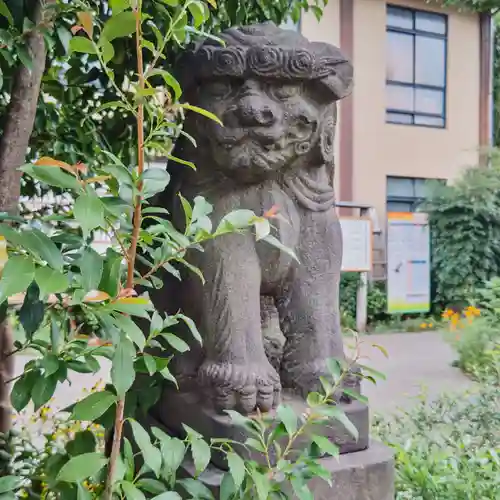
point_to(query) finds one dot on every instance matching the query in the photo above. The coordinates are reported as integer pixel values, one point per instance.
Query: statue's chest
(271, 201)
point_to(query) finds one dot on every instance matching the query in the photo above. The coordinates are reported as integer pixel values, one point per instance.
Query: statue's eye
(219, 89)
(285, 91)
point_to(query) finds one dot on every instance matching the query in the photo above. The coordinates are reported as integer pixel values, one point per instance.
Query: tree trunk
(19, 121)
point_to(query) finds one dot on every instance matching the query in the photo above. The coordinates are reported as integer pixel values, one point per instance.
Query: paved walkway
(416, 361)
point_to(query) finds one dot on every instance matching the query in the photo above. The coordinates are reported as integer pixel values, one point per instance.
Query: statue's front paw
(241, 387)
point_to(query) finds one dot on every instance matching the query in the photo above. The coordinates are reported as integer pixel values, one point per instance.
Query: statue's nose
(254, 110)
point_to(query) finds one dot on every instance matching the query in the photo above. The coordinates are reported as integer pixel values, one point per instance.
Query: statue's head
(275, 93)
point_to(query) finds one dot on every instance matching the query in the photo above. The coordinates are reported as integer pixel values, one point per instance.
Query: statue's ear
(327, 134)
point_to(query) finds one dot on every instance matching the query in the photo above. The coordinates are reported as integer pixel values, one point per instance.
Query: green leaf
(173, 452)
(338, 414)
(111, 274)
(262, 228)
(227, 487)
(301, 489)
(203, 112)
(50, 364)
(89, 212)
(83, 442)
(130, 328)
(42, 246)
(272, 240)
(177, 343)
(32, 311)
(107, 50)
(201, 454)
(81, 467)
(237, 468)
(17, 276)
(152, 486)
(21, 391)
(93, 406)
(235, 220)
(50, 281)
(82, 44)
(120, 25)
(262, 484)
(122, 369)
(196, 489)
(5, 12)
(169, 495)
(135, 306)
(288, 417)
(326, 446)
(155, 181)
(198, 12)
(151, 455)
(10, 483)
(372, 371)
(91, 266)
(52, 176)
(118, 6)
(192, 327)
(131, 491)
(43, 390)
(169, 81)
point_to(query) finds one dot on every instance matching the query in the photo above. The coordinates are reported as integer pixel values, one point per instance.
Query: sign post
(357, 257)
(408, 263)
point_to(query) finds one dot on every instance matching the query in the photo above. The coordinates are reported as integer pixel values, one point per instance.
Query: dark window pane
(401, 187)
(429, 101)
(399, 97)
(399, 18)
(399, 206)
(430, 121)
(399, 57)
(430, 66)
(406, 119)
(433, 23)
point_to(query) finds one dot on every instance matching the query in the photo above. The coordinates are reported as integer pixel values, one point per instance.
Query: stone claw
(244, 388)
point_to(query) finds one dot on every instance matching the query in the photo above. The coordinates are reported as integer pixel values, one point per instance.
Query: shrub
(447, 450)
(477, 340)
(377, 300)
(464, 220)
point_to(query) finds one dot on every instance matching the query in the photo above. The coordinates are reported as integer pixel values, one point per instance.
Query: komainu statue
(276, 94)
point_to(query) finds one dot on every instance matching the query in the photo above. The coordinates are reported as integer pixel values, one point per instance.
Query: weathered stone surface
(364, 475)
(276, 94)
(178, 408)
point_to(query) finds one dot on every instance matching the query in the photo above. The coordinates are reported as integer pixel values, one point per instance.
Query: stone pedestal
(176, 408)
(362, 475)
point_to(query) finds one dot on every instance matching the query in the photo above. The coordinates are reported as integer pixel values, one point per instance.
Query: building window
(404, 194)
(416, 67)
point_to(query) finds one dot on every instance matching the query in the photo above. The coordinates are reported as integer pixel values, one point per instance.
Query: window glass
(430, 61)
(399, 18)
(416, 67)
(404, 118)
(432, 23)
(429, 101)
(399, 206)
(400, 187)
(429, 121)
(399, 97)
(399, 57)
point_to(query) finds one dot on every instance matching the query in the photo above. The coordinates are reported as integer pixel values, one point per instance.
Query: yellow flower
(423, 325)
(431, 325)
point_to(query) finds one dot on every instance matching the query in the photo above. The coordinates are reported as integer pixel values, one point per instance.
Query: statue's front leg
(308, 305)
(236, 371)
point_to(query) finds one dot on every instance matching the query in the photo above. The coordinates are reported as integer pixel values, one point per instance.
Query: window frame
(414, 201)
(415, 33)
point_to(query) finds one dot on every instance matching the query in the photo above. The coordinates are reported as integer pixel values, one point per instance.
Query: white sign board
(357, 244)
(408, 263)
